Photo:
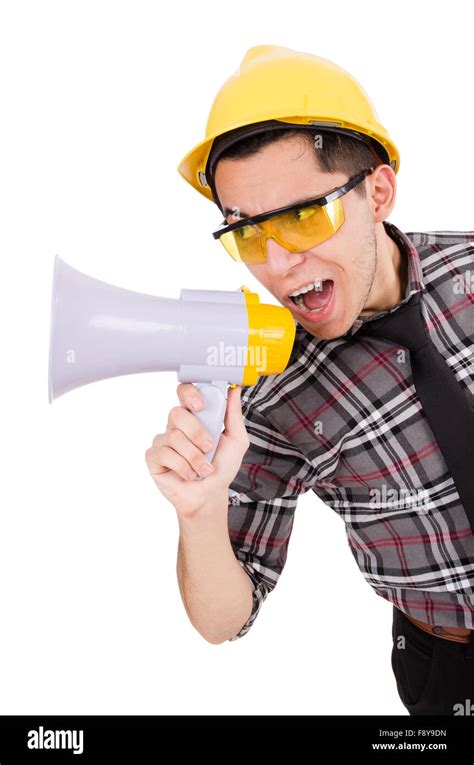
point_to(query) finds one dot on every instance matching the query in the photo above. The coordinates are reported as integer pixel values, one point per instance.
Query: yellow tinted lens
(305, 228)
(244, 244)
(297, 230)
(244, 232)
(305, 212)
(230, 244)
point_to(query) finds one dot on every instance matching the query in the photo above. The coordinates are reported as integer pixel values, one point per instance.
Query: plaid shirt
(344, 420)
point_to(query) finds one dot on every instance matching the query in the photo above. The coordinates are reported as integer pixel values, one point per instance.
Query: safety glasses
(296, 227)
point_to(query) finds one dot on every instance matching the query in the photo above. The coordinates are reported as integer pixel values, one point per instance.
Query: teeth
(317, 285)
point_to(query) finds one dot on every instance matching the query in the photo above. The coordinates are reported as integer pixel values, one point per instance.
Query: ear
(381, 192)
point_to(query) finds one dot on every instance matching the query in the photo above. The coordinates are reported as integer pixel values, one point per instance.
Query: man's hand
(179, 455)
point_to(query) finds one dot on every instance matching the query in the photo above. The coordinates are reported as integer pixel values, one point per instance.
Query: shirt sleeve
(262, 503)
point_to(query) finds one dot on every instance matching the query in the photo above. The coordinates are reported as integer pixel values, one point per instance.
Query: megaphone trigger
(213, 414)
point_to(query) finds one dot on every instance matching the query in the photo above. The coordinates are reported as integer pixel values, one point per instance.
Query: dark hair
(336, 152)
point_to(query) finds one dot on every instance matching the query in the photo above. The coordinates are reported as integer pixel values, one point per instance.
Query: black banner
(137, 739)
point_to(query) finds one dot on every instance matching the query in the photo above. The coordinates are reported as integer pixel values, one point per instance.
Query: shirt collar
(415, 274)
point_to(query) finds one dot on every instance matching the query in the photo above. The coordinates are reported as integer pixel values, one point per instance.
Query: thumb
(234, 419)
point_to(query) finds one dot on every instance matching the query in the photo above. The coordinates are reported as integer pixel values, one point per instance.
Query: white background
(99, 102)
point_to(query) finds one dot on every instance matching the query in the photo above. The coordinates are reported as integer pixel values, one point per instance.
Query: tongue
(313, 299)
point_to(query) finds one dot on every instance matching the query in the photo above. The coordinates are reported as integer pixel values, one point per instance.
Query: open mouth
(314, 296)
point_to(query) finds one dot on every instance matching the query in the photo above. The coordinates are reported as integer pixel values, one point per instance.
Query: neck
(391, 276)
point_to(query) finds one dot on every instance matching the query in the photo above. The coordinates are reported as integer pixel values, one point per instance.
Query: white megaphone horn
(209, 337)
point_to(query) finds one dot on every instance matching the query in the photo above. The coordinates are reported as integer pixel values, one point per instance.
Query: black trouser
(434, 676)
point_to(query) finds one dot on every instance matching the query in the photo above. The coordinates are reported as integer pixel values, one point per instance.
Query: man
(305, 177)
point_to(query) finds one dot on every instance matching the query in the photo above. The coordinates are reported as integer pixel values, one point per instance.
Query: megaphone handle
(212, 416)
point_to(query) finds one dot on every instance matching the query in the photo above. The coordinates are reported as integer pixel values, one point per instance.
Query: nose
(279, 259)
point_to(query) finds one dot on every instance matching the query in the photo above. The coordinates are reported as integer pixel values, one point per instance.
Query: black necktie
(447, 406)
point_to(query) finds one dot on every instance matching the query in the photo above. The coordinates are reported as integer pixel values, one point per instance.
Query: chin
(326, 331)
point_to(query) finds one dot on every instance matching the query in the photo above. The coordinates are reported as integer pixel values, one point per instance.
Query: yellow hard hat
(281, 88)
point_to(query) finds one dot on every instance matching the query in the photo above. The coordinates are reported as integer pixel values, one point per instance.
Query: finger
(164, 458)
(234, 419)
(190, 397)
(177, 440)
(181, 419)
(158, 439)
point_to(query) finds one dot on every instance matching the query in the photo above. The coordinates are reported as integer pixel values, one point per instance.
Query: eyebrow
(230, 210)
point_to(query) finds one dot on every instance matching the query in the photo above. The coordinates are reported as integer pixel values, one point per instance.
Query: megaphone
(211, 338)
